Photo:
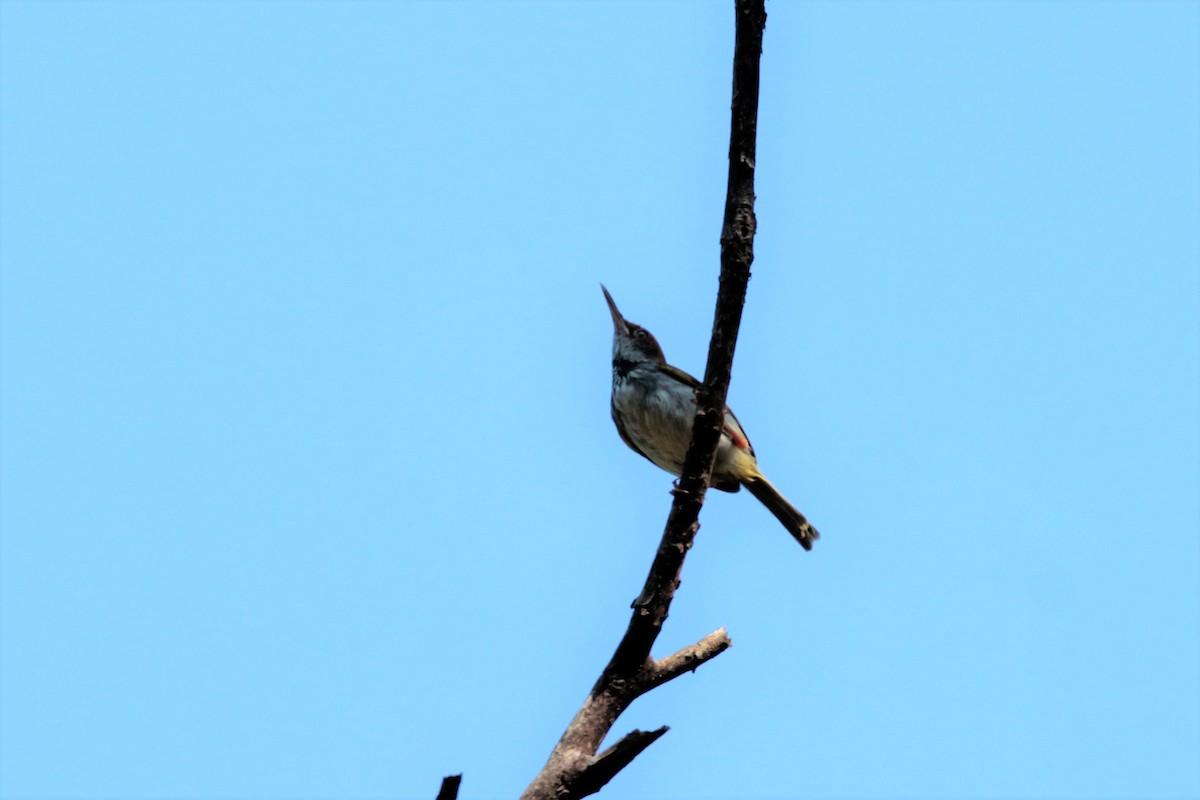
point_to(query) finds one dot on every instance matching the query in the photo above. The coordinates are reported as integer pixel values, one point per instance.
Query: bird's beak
(619, 324)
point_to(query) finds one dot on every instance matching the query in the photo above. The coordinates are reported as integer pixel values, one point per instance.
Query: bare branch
(737, 253)
(605, 766)
(631, 672)
(688, 659)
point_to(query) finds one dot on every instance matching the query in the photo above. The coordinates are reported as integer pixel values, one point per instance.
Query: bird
(654, 406)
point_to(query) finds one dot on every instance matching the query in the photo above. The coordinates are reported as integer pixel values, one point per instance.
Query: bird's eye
(640, 333)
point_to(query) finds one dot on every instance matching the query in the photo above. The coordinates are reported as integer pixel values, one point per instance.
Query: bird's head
(631, 343)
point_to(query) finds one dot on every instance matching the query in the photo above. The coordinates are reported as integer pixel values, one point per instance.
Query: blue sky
(309, 487)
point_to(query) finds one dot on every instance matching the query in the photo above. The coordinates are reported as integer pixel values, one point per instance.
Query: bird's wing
(733, 428)
(679, 375)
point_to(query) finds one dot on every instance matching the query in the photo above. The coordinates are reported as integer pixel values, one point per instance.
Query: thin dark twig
(449, 790)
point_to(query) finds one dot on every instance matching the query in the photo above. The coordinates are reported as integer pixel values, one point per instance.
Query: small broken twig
(449, 790)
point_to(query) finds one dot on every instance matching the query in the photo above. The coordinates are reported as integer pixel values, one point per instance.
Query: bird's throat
(622, 367)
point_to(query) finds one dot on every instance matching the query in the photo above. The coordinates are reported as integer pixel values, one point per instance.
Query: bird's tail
(784, 511)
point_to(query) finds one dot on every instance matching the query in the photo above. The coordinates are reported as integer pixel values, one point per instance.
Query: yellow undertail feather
(784, 511)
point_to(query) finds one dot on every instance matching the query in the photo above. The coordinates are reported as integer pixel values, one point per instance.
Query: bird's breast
(654, 415)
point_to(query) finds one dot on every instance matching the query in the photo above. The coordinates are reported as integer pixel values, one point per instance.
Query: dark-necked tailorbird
(654, 405)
